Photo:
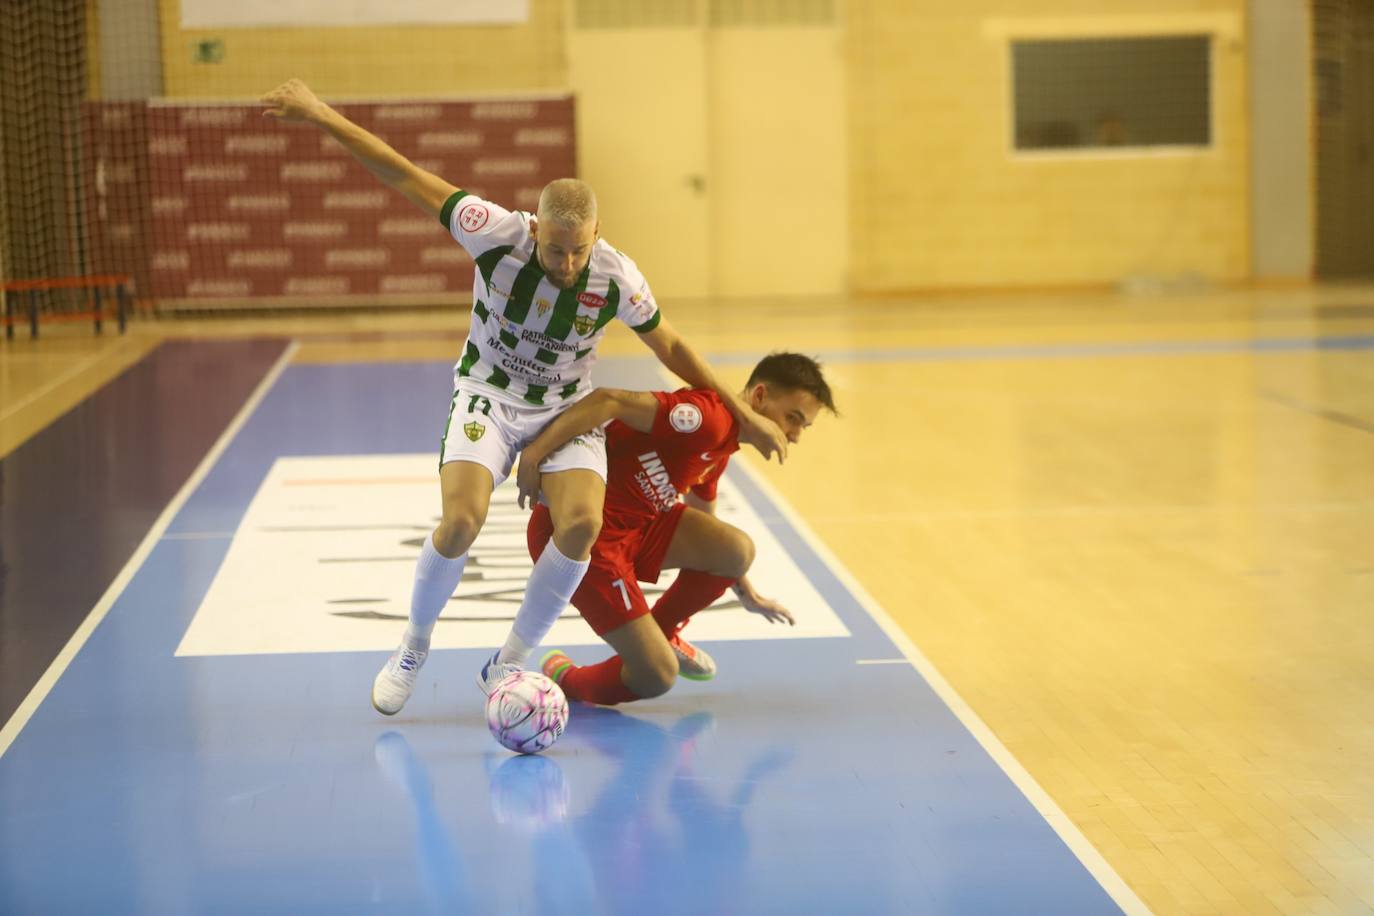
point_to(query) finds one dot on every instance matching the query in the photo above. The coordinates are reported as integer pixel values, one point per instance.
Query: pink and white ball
(527, 712)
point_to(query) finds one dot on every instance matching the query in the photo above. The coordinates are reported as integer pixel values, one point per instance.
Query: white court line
(102, 607)
(1092, 860)
(62, 379)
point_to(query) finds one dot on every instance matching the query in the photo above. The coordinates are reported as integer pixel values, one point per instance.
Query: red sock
(689, 593)
(599, 683)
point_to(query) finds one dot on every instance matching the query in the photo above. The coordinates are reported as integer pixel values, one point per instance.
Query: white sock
(436, 579)
(514, 649)
(551, 586)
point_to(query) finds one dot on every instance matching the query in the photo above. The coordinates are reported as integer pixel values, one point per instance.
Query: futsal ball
(527, 712)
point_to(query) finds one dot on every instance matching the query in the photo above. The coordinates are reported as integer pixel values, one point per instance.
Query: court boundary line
(1086, 853)
(71, 372)
(26, 709)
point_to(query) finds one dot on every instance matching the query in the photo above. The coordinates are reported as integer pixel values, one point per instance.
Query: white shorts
(491, 433)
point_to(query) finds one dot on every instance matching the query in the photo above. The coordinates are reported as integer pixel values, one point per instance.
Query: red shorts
(609, 596)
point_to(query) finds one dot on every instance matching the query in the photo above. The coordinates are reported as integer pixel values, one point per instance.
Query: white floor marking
(324, 558)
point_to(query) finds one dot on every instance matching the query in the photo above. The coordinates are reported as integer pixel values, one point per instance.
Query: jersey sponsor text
(654, 482)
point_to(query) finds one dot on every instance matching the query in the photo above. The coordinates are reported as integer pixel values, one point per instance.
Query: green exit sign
(208, 51)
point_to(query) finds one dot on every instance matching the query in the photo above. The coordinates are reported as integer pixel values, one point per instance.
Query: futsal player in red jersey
(665, 453)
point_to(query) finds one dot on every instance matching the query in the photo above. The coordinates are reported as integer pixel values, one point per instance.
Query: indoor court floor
(1082, 580)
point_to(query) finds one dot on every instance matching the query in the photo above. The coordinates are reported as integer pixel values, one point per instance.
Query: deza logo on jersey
(586, 323)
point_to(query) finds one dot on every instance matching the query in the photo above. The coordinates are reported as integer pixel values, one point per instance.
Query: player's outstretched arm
(294, 102)
(674, 352)
(636, 409)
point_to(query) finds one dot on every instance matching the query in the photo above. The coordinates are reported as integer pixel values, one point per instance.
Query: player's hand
(292, 101)
(527, 480)
(769, 609)
(763, 434)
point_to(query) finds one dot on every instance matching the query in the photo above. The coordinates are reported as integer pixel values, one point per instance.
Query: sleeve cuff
(649, 325)
(446, 212)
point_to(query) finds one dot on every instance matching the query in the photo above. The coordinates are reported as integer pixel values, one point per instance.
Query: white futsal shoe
(692, 661)
(493, 673)
(396, 680)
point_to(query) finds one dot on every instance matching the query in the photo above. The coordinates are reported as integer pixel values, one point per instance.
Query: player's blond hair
(568, 202)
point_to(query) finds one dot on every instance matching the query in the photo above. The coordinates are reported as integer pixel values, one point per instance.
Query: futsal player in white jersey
(545, 288)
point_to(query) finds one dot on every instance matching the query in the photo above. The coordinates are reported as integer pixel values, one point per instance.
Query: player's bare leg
(466, 495)
(704, 543)
(574, 498)
(712, 556)
(644, 666)
(466, 488)
(648, 664)
(650, 651)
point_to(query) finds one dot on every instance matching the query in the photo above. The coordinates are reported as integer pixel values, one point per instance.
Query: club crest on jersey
(542, 305)
(584, 324)
(472, 217)
(474, 431)
(686, 418)
(592, 300)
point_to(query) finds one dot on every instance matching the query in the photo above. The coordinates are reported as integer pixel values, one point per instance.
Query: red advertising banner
(215, 205)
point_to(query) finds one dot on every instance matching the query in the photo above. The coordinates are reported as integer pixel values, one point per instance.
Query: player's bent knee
(654, 676)
(650, 670)
(577, 531)
(742, 556)
(456, 532)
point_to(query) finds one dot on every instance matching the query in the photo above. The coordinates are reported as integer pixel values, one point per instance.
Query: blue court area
(797, 781)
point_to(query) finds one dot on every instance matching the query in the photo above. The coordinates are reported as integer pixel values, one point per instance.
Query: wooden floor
(1135, 534)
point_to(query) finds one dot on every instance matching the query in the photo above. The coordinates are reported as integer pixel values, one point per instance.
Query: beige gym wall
(350, 62)
(939, 200)
(892, 170)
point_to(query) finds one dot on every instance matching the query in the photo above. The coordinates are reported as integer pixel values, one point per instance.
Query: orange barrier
(96, 284)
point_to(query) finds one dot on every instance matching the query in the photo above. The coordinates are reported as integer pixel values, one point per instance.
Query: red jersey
(692, 439)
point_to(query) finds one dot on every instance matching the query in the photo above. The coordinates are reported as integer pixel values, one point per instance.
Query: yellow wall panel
(939, 199)
(368, 62)
(779, 174)
(919, 134)
(642, 143)
(93, 72)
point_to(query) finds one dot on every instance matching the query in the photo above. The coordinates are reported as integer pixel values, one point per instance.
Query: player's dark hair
(793, 372)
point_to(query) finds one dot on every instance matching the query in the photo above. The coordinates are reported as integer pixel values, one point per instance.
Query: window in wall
(1096, 93)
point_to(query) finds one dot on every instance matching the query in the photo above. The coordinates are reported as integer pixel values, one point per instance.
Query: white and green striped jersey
(530, 341)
